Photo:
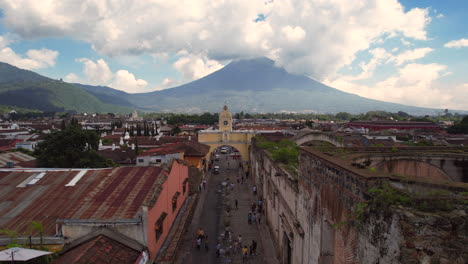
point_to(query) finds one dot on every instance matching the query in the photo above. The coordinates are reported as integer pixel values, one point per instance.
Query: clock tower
(225, 120)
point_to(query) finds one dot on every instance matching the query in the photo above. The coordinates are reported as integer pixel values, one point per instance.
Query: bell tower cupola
(225, 120)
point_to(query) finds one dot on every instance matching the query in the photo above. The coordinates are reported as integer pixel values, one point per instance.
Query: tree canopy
(71, 147)
(460, 128)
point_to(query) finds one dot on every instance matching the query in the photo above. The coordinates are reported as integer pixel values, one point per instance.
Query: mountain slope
(22, 88)
(108, 95)
(257, 85)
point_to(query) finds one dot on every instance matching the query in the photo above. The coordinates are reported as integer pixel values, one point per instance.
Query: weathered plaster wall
(317, 211)
(437, 167)
(173, 184)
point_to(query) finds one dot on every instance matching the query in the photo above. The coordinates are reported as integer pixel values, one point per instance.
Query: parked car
(216, 169)
(216, 157)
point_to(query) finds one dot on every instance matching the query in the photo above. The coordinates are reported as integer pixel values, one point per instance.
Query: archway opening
(225, 157)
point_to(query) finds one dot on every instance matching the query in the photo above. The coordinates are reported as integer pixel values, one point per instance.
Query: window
(174, 201)
(141, 160)
(184, 186)
(159, 225)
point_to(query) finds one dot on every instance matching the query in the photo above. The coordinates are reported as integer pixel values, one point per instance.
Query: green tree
(37, 226)
(176, 130)
(72, 147)
(460, 128)
(343, 116)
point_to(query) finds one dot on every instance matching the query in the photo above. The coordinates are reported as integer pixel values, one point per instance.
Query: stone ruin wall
(402, 235)
(323, 200)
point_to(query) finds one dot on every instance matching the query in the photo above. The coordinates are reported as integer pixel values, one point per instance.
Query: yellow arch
(237, 139)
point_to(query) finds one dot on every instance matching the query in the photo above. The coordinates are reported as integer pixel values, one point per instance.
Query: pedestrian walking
(242, 179)
(198, 243)
(254, 190)
(236, 203)
(244, 252)
(249, 218)
(250, 250)
(206, 242)
(259, 218)
(254, 218)
(236, 244)
(254, 247)
(232, 186)
(204, 184)
(239, 238)
(200, 233)
(218, 247)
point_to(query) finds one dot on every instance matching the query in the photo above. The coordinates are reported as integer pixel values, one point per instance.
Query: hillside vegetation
(26, 89)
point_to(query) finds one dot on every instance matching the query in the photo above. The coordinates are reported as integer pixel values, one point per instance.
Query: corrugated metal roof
(16, 157)
(102, 194)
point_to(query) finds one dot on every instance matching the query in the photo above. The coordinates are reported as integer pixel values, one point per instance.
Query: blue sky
(389, 50)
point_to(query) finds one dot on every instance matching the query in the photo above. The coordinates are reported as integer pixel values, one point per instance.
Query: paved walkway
(211, 215)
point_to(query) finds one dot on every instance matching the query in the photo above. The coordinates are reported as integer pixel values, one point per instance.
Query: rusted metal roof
(102, 250)
(20, 159)
(100, 194)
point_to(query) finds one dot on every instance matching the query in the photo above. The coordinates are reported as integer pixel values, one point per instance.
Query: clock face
(226, 123)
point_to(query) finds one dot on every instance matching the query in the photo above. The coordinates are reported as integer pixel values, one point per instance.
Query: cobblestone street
(211, 215)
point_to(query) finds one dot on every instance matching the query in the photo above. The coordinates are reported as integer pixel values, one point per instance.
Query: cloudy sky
(409, 51)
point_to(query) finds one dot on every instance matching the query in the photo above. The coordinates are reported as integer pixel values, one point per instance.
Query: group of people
(255, 213)
(229, 244)
(238, 246)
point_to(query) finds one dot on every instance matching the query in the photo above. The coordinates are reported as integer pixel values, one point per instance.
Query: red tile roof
(103, 194)
(102, 250)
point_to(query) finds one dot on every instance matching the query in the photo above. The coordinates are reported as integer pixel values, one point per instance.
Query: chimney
(189, 138)
(133, 146)
(121, 141)
(113, 146)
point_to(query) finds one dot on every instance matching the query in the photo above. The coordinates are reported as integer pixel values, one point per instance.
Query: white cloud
(45, 56)
(127, 82)
(4, 41)
(195, 67)
(166, 83)
(416, 85)
(378, 55)
(34, 59)
(457, 43)
(293, 33)
(99, 73)
(410, 55)
(405, 42)
(313, 37)
(96, 73)
(71, 78)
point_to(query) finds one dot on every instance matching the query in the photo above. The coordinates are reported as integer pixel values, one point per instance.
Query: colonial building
(140, 203)
(226, 136)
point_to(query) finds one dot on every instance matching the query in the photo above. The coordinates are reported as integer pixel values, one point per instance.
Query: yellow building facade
(226, 136)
